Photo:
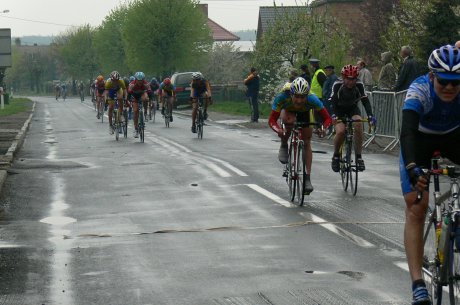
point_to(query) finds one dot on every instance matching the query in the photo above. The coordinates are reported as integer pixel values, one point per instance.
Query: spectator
(252, 83)
(387, 76)
(327, 87)
(318, 79)
(305, 73)
(364, 75)
(408, 71)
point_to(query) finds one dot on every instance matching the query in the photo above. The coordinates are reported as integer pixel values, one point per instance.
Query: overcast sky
(51, 17)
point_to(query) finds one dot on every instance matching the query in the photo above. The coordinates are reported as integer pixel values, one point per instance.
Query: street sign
(5, 48)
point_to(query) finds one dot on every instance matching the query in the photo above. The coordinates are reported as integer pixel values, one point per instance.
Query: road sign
(5, 48)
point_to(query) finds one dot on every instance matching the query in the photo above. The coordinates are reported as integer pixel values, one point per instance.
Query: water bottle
(438, 236)
(443, 239)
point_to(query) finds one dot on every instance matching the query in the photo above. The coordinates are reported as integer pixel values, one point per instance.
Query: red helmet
(167, 81)
(350, 71)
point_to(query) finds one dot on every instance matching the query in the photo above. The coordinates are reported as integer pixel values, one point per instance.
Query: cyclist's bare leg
(135, 113)
(358, 135)
(145, 102)
(170, 103)
(194, 111)
(111, 105)
(288, 119)
(413, 232)
(339, 137)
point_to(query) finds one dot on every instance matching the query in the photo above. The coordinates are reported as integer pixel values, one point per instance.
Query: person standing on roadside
(305, 73)
(408, 71)
(364, 75)
(327, 87)
(252, 83)
(387, 76)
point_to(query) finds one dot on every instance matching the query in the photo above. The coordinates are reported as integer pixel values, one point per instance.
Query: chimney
(204, 8)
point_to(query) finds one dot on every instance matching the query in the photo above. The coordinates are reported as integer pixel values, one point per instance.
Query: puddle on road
(58, 220)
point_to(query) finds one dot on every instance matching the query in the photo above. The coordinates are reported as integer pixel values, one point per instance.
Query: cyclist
(139, 88)
(154, 86)
(200, 88)
(295, 107)
(168, 91)
(99, 88)
(430, 122)
(64, 90)
(346, 93)
(57, 91)
(81, 90)
(130, 98)
(115, 88)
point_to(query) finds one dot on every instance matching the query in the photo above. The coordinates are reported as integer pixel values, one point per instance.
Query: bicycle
(200, 118)
(441, 259)
(152, 109)
(348, 167)
(295, 169)
(141, 122)
(118, 125)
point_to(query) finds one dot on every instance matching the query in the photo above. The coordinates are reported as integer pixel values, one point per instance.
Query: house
(268, 15)
(218, 32)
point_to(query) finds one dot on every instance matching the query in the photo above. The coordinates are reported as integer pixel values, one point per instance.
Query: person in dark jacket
(408, 71)
(327, 86)
(305, 73)
(252, 83)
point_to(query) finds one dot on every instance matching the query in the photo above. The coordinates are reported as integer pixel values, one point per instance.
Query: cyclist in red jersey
(139, 88)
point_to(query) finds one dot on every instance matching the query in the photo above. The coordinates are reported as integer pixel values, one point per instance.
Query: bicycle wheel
(291, 171)
(200, 125)
(125, 123)
(166, 107)
(343, 167)
(454, 270)
(353, 170)
(430, 265)
(300, 174)
(117, 124)
(141, 125)
(154, 111)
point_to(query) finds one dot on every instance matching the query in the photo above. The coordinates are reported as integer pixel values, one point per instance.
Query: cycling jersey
(344, 100)
(154, 86)
(168, 89)
(114, 87)
(136, 89)
(99, 86)
(284, 101)
(436, 117)
(200, 87)
(428, 125)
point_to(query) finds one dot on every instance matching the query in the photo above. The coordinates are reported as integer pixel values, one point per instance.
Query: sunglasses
(299, 95)
(444, 82)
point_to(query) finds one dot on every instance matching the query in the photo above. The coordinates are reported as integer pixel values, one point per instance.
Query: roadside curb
(8, 157)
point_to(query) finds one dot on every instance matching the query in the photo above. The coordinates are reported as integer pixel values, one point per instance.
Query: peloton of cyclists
(200, 88)
(139, 89)
(346, 93)
(291, 107)
(115, 89)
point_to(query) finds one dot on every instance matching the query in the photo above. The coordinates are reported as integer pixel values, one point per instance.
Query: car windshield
(183, 79)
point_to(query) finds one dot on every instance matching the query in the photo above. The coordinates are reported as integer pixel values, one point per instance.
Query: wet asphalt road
(177, 220)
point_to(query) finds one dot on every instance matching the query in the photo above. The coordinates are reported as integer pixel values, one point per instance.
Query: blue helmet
(300, 86)
(153, 80)
(445, 62)
(131, 78)
(139, 76)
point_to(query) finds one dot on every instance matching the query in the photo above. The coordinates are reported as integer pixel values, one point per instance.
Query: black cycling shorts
(303, 118)
(341, 112)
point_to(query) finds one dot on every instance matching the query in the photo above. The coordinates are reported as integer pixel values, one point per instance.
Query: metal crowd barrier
(387, 108)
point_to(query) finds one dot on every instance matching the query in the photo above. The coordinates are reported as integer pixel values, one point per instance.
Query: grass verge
(16, 105)
(240, 108)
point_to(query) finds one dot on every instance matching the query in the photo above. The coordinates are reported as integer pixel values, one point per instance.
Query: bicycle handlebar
(447, 170)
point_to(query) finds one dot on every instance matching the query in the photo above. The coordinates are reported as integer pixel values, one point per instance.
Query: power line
(38, 21)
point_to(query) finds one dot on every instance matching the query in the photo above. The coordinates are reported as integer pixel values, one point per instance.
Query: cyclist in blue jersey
(292, 107)
(430, 122)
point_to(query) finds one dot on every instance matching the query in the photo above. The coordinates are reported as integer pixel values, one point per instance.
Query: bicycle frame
(441, 264)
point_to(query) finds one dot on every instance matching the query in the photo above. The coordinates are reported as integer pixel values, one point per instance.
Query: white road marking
(270, 195)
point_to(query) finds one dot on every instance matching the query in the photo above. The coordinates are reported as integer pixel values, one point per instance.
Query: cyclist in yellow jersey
(115, 88)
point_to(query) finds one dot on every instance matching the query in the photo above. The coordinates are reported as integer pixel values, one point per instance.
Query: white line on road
(270, 195)
(230, 167)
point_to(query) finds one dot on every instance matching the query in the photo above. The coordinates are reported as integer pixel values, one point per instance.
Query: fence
(387, 108)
